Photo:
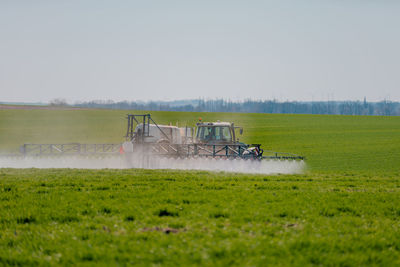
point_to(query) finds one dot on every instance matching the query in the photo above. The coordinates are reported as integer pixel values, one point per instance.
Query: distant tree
(58, 102)
(385, 107)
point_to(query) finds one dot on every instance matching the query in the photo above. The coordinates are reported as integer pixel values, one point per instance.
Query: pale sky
(83, 50)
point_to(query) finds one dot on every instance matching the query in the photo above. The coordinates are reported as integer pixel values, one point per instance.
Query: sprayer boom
(147, 138)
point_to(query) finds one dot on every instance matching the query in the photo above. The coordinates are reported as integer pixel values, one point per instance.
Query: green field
(330, 143)
(343, 211)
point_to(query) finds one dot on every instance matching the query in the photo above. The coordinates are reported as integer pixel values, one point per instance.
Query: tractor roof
(214, 123)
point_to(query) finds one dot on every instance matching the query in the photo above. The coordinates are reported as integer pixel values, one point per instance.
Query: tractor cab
(216, 133)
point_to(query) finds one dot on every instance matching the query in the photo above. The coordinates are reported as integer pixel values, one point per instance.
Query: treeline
(387, 108)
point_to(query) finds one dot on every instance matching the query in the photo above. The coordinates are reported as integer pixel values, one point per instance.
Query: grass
(150, 217)
(342, 212)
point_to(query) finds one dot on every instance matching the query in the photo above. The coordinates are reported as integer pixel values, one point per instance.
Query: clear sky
(165, 50)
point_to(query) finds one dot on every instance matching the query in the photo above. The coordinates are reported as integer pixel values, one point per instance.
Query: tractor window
(218, 135)
(222, 134)
(205, 133)
(214, 133)
(225, 134)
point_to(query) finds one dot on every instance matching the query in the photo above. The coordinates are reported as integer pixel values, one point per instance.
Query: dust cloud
(154, 162)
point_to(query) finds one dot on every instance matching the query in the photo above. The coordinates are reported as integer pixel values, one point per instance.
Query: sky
(298, 50)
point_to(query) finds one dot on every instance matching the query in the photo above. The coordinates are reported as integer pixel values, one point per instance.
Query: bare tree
(58, 102)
